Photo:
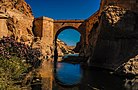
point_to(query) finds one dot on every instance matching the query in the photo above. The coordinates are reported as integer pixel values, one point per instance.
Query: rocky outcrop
(17, 20)
(112, 39)
(47, 50)
(63, 48)
(129, 68)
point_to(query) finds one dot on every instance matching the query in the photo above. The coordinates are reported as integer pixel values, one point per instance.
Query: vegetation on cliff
(16, 60)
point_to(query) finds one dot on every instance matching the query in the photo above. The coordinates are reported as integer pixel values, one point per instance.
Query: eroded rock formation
(16, 18)
(112, 39)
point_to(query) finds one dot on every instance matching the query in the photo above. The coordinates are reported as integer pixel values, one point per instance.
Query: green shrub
(10, 72)
(16, 59)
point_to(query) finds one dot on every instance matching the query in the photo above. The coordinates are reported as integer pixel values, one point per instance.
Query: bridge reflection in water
(73, 77)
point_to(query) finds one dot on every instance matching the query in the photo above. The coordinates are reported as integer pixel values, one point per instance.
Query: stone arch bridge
(48, 29)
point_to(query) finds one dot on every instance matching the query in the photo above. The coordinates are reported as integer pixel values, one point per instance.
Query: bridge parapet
(69, 21)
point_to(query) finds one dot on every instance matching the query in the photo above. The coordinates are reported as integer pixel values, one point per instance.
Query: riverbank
(73, 59)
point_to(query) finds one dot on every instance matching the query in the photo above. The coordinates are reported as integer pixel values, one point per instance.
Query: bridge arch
(64, 28)
(56, 36)
(48, 29)
(61, 25)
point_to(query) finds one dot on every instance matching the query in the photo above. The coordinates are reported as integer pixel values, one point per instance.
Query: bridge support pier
(44, 30)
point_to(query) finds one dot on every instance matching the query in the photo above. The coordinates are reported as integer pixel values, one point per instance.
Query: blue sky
(69, 36)
(65, 9)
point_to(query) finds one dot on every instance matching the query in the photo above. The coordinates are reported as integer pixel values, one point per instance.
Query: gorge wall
(112, 41)
(111, 34)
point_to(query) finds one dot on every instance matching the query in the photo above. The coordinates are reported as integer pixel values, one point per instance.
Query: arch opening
(57, 54)
(66, 28)
(69, 36)
(66, 39)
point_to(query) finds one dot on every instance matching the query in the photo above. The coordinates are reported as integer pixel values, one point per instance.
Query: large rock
(63, 48)
(19, 21)
(47, 49)
(3, 25)
(113, 37)
(129, 68)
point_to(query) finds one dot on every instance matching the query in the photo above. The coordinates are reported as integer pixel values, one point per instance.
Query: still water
(68, 76)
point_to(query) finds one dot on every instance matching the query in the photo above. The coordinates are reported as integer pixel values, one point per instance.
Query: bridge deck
(69, 21)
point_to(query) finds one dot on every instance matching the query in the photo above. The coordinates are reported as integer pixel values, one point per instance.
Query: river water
(67, 76)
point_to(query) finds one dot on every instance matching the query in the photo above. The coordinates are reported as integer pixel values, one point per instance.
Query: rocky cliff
(63, 48)
(16, 19)
(113, 36)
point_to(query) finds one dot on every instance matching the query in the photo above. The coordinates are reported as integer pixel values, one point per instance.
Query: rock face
(16, 18)
(113, 36)
(63, 49)
(130, 67)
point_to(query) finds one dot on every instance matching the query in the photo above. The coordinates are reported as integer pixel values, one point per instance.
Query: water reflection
(73, 77)
(92, 79)
(68, 74)
(103, 80)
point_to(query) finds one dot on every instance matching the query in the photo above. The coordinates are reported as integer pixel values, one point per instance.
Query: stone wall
(43, 31)
(90, 29)
(60, 25)
(47, 30)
